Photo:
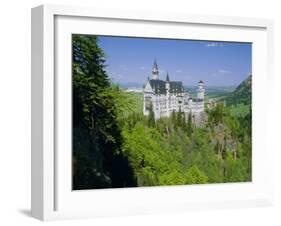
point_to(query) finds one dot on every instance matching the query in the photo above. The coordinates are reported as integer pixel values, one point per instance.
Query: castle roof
(159, 87)
(167, 78)
(155, 66)
(176, 87)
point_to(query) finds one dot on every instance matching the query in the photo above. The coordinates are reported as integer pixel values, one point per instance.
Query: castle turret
(155, 71)
(200, 90)
(167, 87)
(167, 83)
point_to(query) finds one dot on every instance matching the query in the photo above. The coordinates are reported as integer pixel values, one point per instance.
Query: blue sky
(129, 60)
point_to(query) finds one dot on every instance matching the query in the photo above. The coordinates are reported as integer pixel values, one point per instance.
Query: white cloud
(223, 71)
(214, 44)
(123, 67)
(114, 74)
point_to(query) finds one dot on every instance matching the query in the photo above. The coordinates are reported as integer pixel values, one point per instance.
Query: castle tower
(200, 90)
(155, 71)
(167, 87)
(167, 82)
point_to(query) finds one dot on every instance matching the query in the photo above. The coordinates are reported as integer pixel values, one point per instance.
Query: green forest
(115, 145)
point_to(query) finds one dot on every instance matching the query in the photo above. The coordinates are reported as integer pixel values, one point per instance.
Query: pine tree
(179, 118)
(189, 127)
(151, 117)
(174, 119)
(98, 161)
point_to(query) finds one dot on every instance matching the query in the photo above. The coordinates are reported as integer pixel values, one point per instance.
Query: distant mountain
(242, 94)
(227, 88)
(129, 85)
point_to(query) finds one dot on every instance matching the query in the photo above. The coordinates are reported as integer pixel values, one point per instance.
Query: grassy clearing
(136, 98)
(239, 110)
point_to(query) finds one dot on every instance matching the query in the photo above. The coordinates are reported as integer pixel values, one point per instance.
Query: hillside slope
(242, 94)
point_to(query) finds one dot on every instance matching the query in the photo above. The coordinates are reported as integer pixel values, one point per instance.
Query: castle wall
(164, 105)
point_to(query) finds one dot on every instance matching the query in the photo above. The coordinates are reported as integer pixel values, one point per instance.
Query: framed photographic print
(137, 112)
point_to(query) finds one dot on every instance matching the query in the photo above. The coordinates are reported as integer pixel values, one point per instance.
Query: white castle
(165, 97)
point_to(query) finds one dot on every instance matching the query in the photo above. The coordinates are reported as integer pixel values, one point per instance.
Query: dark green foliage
(189, 126)
(151, 117)
(97, 159)
(242, 94)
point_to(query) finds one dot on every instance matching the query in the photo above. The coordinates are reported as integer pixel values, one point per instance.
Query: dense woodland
(114, 145)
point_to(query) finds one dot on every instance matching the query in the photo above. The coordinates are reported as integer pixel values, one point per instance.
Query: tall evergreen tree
(151, 117)
(189, 128)
(180, 118)
(97, 159)
(174, 118)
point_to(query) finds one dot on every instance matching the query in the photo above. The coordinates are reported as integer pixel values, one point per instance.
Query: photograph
(160, 112)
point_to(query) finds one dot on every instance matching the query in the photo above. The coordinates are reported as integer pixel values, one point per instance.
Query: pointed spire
(155, 66)
(155, 71)
(167, 77)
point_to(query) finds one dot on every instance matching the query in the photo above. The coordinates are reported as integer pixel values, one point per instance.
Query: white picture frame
(52, 197)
